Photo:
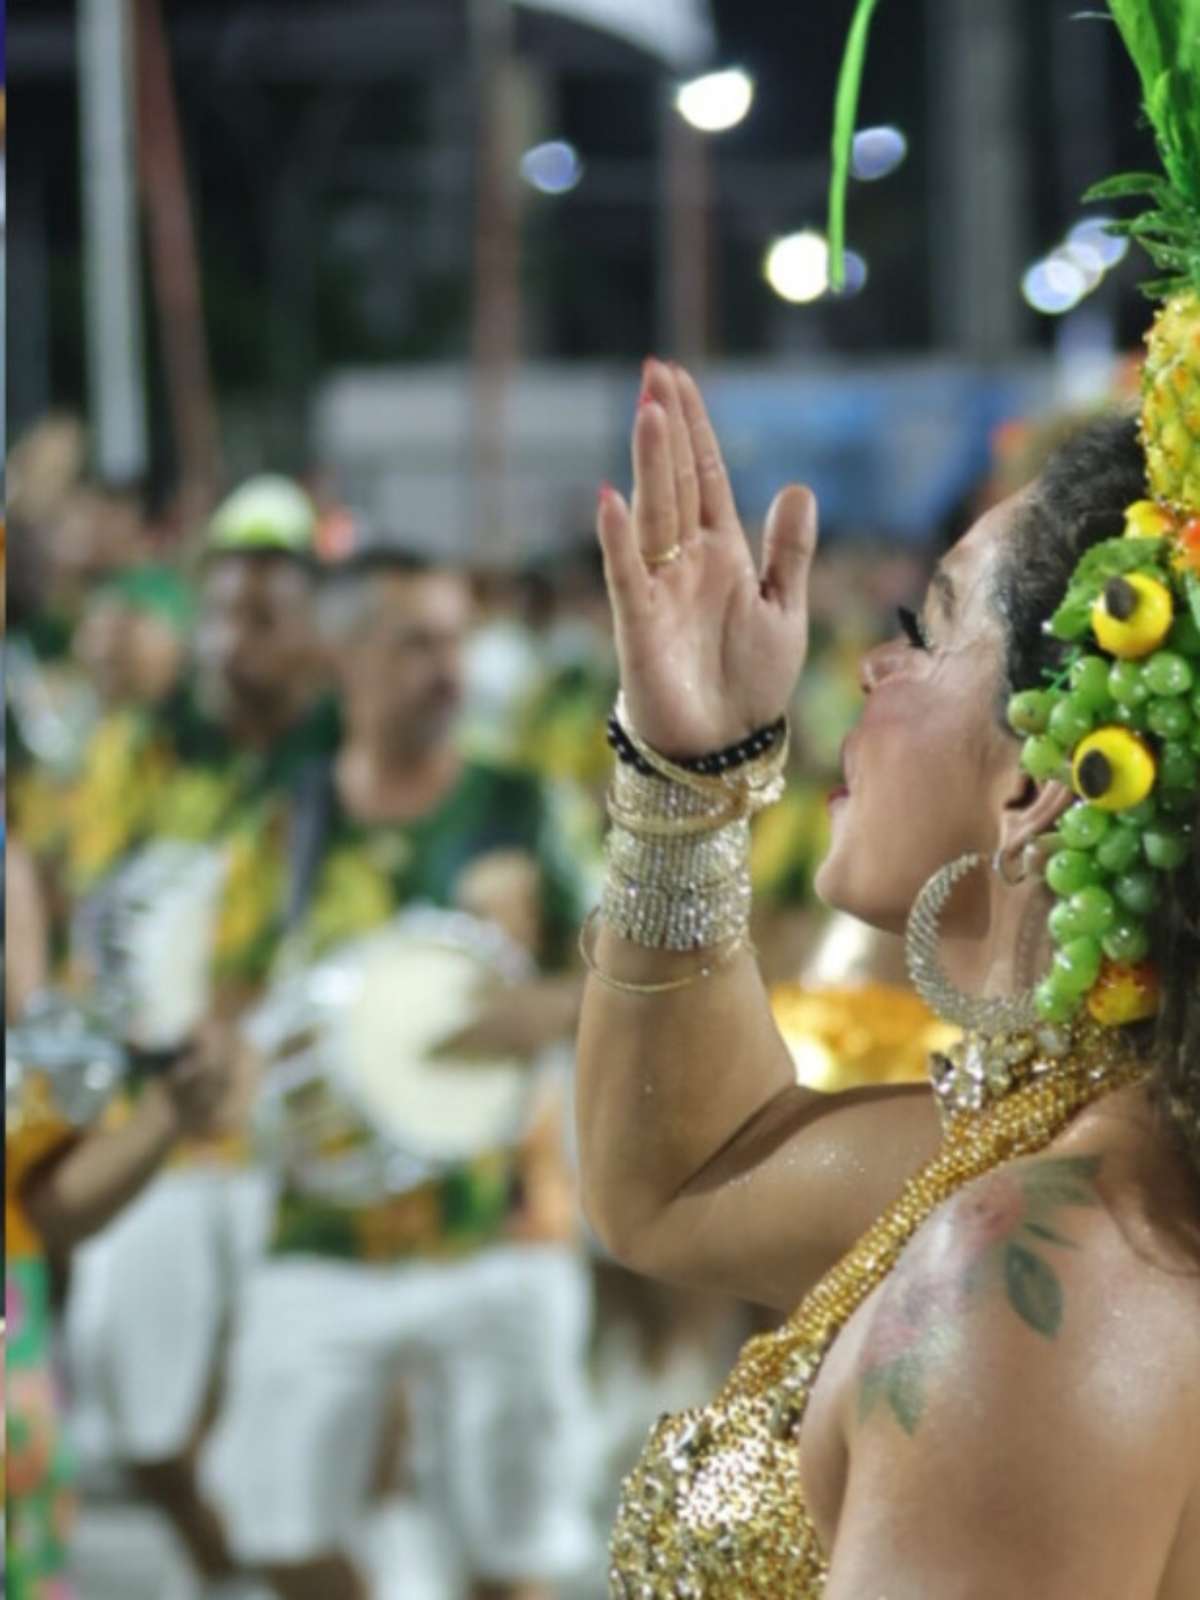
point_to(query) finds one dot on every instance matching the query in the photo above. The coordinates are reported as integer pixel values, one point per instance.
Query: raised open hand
(709, 648)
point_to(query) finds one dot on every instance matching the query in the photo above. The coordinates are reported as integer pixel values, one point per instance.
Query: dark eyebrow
(943, 587)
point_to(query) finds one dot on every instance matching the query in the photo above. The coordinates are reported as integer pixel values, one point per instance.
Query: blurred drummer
(152, 1297)
(478, 1307)
(65, 1178)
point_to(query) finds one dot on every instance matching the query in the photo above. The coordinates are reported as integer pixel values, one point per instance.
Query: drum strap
(313, 803)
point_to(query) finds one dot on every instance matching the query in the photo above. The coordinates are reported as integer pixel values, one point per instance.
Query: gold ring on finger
(665, 557)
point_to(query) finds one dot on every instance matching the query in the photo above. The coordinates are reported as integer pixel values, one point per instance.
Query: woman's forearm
(76, 1196)
(666, 1082)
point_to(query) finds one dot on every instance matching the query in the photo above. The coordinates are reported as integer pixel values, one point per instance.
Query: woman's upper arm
(793, 1190)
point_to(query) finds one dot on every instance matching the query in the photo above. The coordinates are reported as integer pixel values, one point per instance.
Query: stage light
(797, 267)
(1054, 286)
(717, 101)
(877, 152)
(1112, 248)
(552, 168)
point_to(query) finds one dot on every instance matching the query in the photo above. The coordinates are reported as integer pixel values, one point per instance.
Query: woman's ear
(1033, 811)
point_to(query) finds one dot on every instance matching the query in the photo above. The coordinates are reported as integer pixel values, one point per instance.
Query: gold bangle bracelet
(741, 941)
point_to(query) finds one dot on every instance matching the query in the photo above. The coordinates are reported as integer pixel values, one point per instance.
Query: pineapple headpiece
(1120, 722)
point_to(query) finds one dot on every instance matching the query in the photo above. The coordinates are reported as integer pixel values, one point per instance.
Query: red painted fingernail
(605, 492)
(645, 398)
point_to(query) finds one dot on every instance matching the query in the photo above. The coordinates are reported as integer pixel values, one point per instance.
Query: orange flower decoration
(1124, 993)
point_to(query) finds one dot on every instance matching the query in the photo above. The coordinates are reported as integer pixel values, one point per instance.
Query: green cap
(157, 590)
(266, 513)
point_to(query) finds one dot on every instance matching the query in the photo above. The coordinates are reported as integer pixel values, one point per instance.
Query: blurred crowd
(303, 828)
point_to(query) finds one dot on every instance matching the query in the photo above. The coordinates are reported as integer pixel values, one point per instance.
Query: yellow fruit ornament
(1171, 402)
(1113, 769)
(1160, 36)
(1133, 616)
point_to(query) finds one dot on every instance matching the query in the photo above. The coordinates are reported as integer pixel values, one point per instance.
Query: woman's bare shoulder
(1052, 1307)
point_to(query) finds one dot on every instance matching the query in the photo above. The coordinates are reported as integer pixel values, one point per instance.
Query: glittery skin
(715, 1508)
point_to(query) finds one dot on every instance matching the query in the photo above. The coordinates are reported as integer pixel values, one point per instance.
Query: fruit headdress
(1120, 721)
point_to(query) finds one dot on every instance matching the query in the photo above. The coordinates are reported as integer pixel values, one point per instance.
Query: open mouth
(841, 791)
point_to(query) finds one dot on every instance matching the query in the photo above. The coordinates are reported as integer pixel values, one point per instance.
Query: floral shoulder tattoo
(1007, 1237)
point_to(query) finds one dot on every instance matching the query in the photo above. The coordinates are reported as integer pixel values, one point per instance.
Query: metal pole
(980, 221)
(685, 246)
(112, 294)
(175, 271)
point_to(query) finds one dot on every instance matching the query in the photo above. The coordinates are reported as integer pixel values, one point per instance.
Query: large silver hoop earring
(974, 1014)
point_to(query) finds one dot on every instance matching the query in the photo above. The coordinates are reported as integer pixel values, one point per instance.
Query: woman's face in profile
(928, 769)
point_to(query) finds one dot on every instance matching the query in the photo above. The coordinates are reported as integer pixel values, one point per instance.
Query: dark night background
(390, 285)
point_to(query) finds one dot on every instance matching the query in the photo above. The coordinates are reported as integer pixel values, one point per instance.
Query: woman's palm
(709, 647)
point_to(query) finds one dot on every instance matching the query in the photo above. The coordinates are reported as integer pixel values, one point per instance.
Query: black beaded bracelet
(749, 749)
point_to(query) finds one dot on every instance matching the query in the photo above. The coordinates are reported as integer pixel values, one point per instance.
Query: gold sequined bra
(715, 1508)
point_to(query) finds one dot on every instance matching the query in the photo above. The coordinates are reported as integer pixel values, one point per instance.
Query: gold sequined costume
(715, 1508)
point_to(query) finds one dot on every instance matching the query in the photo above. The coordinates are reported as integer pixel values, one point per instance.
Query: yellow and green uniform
(367, 874)
(562, 730)
(177, 776)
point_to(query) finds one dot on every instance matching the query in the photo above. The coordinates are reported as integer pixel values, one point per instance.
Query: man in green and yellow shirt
(468, 1286)
(152, 1296)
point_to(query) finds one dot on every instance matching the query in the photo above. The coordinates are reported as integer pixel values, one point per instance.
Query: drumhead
(374, 1012)
(413, 995)
(148, 935)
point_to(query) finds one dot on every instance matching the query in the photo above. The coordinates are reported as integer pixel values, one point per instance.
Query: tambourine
(355, 1104)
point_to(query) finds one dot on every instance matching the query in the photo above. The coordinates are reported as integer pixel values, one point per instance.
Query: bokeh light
(717, 101)
(855, 276)
(1112, 248)
(1075, 268)
(797, 267)
(552, 168)
(1054, 286)
(877, 152)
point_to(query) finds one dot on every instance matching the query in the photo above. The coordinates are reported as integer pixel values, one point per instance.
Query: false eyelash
(913, 628)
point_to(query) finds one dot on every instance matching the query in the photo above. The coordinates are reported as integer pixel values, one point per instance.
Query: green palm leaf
(844, 117)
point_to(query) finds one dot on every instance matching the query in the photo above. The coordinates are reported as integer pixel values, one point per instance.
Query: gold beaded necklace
(715, 1508)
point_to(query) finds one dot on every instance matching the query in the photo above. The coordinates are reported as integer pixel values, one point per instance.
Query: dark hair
(346, 586)
(1079, 500)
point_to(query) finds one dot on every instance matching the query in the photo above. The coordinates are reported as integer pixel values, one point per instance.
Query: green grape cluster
(1108, 858)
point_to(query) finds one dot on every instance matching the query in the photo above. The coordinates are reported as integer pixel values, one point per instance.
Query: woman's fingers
(624, 570)
(662, 385)
(656, 514)
(716, 497)
(789, 543)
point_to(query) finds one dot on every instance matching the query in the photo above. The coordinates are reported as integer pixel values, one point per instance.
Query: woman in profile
(992, 1383)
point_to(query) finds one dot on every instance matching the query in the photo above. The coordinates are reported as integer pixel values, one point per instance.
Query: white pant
(491, 1352)
(149, 1302)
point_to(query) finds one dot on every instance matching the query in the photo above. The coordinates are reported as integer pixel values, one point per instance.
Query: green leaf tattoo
(922, 1314)
(1034, 1291)
(902, 1384)
(1041, 1231)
